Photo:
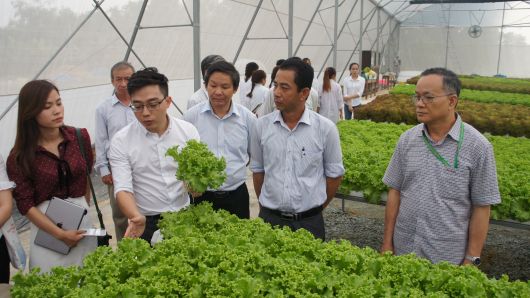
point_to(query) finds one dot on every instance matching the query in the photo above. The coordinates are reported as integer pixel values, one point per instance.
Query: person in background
(330, 99)
(258, 93)
(6, 207)
(112, 115)
(46, 162)
(312, 101)
(442, 179)
(353, 91)
(145, 184)
(296, 158)
(201, 95)
(225, 127)
(246, 84)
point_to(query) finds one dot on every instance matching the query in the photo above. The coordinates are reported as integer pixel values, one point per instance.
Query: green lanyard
(438, 156)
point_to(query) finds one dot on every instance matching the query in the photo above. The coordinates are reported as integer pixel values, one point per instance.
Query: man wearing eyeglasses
(112, 115)
(144, 177)
(442, 180)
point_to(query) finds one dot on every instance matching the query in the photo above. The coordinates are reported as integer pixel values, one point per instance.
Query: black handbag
(102, 240)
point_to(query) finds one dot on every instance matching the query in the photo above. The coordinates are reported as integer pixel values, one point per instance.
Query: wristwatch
(474, 260)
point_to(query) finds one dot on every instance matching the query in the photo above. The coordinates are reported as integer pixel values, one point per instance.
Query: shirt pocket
(454, 183)
(308, 163)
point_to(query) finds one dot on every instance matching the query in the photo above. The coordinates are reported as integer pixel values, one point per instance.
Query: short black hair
(120, 65)
(209, 60)
(279, 61)
(146, 77)
(226, 68)
(451, 82)
(354, 63)
(306, 60)
(303, 73)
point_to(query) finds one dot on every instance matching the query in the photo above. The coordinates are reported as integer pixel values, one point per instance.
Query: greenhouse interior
(378, 241)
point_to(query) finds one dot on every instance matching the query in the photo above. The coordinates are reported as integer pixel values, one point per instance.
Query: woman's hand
(71, 237)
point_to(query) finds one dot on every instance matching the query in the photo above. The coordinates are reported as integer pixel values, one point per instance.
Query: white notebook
(67, 216)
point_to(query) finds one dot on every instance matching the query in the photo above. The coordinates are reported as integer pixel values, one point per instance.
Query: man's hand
(71, 237)
(107, 179)
(136, 227)
(387, 247)
(466, 262)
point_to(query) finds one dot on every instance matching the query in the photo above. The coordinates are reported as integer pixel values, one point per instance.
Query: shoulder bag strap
(83, 153)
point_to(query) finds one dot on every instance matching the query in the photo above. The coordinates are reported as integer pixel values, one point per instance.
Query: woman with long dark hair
(45, 163)
(330, 97)
(244, 85)
(258, 92)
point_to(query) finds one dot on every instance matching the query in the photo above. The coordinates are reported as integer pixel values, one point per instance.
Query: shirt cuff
(117, 190)
(103, 171)
(333, 170)
(486, 201)
(392, 184)
(6, 185)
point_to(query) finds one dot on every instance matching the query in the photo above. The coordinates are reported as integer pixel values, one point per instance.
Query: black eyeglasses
(427, 99)
(151, 106)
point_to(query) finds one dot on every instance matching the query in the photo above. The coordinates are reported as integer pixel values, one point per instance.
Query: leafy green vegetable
(368, 146)
(475, 95)
(497, 119)
(510, 85)
(198, 166)
(215, 254)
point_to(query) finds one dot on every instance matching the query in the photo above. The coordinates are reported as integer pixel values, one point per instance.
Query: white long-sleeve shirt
(140, 165)
(352, 87)
(330, 102)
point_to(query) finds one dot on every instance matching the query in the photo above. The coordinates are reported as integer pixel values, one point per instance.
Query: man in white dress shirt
(201, 95)
(112, 115)
(225, 127)
(144, 177)
(296, 159)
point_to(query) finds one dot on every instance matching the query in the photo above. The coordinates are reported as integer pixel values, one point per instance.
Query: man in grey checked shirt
(442, 180)
(296, 159)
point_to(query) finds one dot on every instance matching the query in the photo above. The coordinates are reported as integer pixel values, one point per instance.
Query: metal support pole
(307, 28)
(335, 31)
(247, 31)
(55, 54)
(340, 32)
(136, 27)
(377, 55)
(361, 33)
(290, 35)
(118, 31)
(500, 40)
(447, 39)
(197, 75)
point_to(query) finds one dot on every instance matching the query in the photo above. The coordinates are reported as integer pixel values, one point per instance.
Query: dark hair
(307, 60)
(147, 77)
(328, 74)
(257, 77)
(303, 73)
(279, 61)
(354, 63)
(208, 61)
(31, 101)
(273, 74)
(120, 65)
(250, 69)
(226, 68)
(451, 82)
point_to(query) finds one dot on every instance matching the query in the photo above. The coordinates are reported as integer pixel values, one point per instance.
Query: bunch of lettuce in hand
(198, 167)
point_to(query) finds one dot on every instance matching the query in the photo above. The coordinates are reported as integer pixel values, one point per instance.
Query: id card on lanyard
(438, 156)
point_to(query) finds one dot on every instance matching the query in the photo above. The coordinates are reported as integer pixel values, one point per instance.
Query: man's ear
(453, 101)
(169, 99)
(304, 93)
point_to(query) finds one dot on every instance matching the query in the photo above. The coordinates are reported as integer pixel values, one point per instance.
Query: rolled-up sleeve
(256, 150)
(484, 186)
(333, 166)
(24, 191)
(120, 164)
(393, 177)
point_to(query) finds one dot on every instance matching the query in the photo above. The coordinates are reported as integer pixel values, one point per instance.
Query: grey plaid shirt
(436, 200)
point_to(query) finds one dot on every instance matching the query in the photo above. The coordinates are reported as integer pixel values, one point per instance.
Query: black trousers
(235, 201)
(4, 262)
(313, 224)
(151, 225)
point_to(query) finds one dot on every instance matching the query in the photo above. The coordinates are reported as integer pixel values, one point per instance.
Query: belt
(223, 194)
(295, 216)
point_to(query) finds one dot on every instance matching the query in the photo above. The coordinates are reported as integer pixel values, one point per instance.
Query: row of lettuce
(368, 146)
(214, 254)
(475, 82)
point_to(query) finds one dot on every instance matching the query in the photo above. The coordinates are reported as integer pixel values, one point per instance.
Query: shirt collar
(454, 132)
(234, 109)
(304, 119)
(146, 132)
(68, 136)
(114, 99)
